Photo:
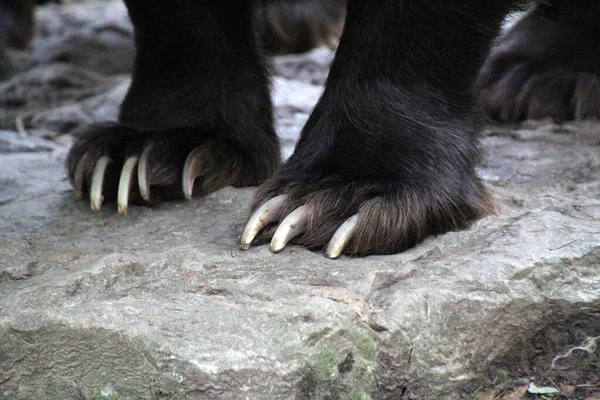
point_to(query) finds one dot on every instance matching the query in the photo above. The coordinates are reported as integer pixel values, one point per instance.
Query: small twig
(588, 345)
(565, 245)
(588, 385)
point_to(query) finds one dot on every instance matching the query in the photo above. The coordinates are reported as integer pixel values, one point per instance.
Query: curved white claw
(125, 183)
(191, 171)
(97, 182)
(341, 237)
(79, 178)
(290, 227)
(143, 171)
(264, 215)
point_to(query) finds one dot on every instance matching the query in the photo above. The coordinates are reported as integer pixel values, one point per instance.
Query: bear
(389, 153)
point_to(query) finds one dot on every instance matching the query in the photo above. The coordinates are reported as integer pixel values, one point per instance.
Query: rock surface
(162, 304)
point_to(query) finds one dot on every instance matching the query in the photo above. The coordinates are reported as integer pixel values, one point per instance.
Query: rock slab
(162, 304)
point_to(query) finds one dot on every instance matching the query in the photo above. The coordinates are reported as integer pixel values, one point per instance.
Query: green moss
(361, 396)
(344, 364)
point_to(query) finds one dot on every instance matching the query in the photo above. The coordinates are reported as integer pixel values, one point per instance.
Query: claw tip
(96, 206)
(276, 247)
(191, 170)
(332, 254)
(96, 197)
(341, 237)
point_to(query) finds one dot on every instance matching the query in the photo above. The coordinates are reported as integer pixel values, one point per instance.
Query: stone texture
(162, 304)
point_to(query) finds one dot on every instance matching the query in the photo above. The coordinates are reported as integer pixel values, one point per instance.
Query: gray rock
(162, 304)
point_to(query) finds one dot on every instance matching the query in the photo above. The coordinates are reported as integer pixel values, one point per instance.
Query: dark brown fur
(547, 65)
(393, 217)
(224, 109)
(16, 23)
(405, 164)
